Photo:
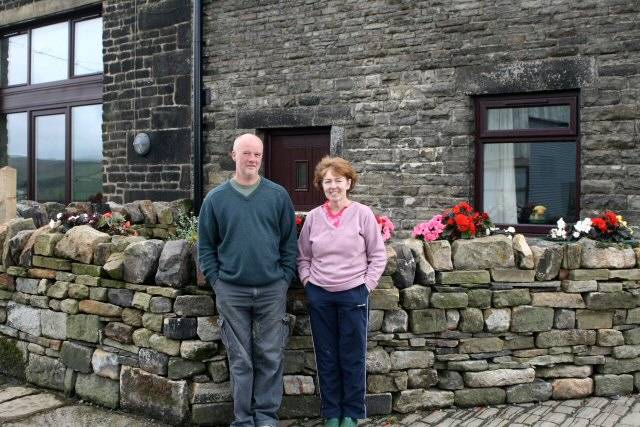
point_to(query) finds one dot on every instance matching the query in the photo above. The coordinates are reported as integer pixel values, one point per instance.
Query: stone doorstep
(28, 405)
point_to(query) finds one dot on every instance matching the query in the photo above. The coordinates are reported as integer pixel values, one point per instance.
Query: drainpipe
(197, 104)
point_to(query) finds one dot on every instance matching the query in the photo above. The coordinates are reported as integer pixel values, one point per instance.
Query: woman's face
(335, 186)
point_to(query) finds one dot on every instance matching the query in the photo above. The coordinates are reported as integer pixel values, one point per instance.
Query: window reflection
(13, 136)
(50, 158)
(530, 183)
(50, 53)
(528, 117)
(13, 60)
(86, 140)
(88, 47)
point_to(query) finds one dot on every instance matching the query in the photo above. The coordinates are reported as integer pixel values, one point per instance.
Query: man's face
(247, 156)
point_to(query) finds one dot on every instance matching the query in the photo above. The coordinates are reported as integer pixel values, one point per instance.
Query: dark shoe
(331, 422)
(349, 422)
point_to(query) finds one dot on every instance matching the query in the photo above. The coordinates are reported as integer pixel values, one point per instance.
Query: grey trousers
(254, 329)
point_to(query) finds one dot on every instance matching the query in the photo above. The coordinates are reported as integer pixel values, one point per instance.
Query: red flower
(472, 229)
(451, 221)
(600, 224)
(107, 214)
(463, 222)
(611, 218)
(298, 220)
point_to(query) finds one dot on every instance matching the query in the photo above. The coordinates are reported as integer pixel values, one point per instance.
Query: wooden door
(291, 158)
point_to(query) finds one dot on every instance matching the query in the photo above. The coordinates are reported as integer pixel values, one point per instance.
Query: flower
(511, 230)
(386, 226)
(429, 230)
(52, 224)
(599, 224)
(462, 221)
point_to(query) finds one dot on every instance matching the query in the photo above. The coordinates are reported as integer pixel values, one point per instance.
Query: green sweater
(247, 240)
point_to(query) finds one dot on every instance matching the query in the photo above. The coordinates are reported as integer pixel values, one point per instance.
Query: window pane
(530, 183)
(528, 117)
(302, 177)
(13, 138)
(50, 155)
(13, 60)
(88, 47)
(50, 53)
(86, 140)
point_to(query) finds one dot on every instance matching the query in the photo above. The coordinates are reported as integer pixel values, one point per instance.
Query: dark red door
(291, 158)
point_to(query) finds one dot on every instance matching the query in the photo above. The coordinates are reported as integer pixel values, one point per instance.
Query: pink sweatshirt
(343, 257)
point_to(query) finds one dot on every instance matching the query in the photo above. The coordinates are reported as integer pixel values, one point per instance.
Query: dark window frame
(60, 95)
(536, 136)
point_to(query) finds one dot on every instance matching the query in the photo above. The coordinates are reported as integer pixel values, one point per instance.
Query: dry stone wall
(121, 322)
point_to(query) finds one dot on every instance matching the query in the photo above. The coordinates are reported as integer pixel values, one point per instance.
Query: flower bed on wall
(120, 321)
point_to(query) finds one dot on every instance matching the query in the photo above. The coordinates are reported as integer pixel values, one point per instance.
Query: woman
(341, 257)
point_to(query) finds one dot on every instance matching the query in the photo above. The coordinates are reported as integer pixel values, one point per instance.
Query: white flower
(52, 224)
(488, 231)
(561, 224)
(583, 226)
(59, 216)
(511, 230)
(576, 234)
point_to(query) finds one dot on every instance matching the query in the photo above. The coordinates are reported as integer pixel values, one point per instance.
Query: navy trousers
(339, 328)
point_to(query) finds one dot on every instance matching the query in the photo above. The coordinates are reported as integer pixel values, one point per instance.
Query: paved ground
(23, 405)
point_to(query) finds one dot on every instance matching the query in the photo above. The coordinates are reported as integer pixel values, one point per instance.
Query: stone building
(528, 108)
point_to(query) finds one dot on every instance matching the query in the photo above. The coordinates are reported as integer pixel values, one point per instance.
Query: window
(527, 159)
(51, 109)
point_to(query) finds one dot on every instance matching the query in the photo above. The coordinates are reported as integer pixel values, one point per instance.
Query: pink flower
(429, 230)
(386, 226)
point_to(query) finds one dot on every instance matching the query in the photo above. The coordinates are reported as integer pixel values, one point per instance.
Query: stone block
(564, 371)
(208, 328)
(449, 300)
(119, 331)
(153, 395)
(23, 318)
(468, 365)
(86, 269)
(378, 361)
(114, 266)
(565, 337)
(141, 301)
(180, 328)
(222, 412)
(609, 300)
(424, 272)
(564, 319)
(557, 299)
(488, 252)
(141, 261)
(160, 304)
(427, 321)
(511, 298)
(471, 320)
(405, 273)
(105, 364)
(589, 274)
(198, 350)
(572, 388)
(633, 316)
(99, 308)
(619, 366)
(450, 380)
(438, 253)
(76, 356)
(194, 306)
(538, 391)
(45, 243)
(413, 400)
(523, 254)
(153, 361)
(384, 299)
(630, 274)
(152, 321)
(479, 298)
(572, 256)
(613, 385)
(392, 382)
(395, 321)
(164, 345)
(96, 389)
(457, 277)
(531, 319)
(421, 378)
(173, 265)
(83, 327)
(120, 297)
(216, 392)
(499, 377)
(512, 275)
(578, 286)
(415, 297)
(590, 319)
(497, 319)
(179, 368)
(76, 291)
(609, 338)
(625, 352)
(54, 324)
(479, 397)
(297, 385)
(401, 360)
(632, 336)
(480, 345)
(547, 260)
(600, 255)
(79, 243)
(45, 372)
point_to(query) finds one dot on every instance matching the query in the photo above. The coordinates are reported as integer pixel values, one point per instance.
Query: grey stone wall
(147, 88)
(121, 322)
(399, 77)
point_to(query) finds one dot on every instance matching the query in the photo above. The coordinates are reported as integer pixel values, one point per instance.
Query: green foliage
(186, 226)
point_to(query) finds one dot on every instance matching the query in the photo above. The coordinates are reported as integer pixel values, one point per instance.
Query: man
(247, 251)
